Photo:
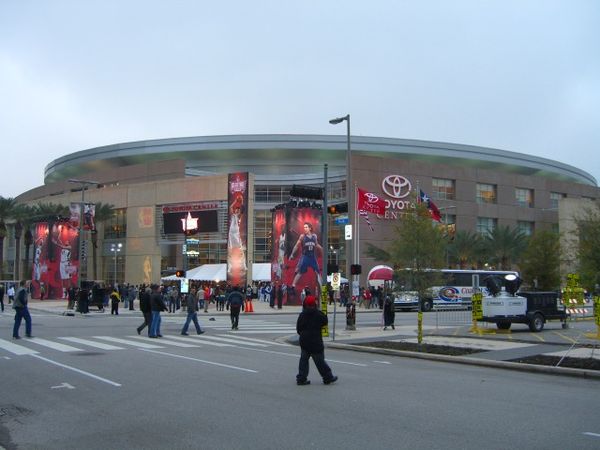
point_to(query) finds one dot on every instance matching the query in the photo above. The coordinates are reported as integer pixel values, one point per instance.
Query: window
(554, 199)
(262, 235)
(443, 189)
(486, 193)
(524, 197)
(116, 226)
(486, 225)
(525, 227)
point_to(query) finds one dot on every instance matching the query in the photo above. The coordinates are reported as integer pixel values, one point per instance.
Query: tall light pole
(115, 248)
(351, 251)
(84, 184)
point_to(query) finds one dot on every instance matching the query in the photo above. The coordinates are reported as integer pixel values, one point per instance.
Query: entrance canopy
(381, 272)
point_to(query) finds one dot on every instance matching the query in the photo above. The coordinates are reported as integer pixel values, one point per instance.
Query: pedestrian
(146, 310)
(2, 296)
(235, 303)
(21, 311)
(11, 293)
(220, 298)
(115, 298)
(389, 313)
(310, 322)
(192, 313)
(157, 305)
(279, 297)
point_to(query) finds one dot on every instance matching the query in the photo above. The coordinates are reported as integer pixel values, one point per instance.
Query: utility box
(504, 306)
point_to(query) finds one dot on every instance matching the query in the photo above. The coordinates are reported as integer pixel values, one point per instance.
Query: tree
(22, 214)
(540, 262)
(103, 213)
(588, 247)
(6, 206)
(465, 249)
(503, 246)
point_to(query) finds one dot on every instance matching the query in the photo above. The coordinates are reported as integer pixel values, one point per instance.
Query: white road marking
(201, 340)
(264, 341)
(127, 342)
(382, 362)
(232, 340)
(16, 349)
(55, 345)
(587, 433)
(74, 369)
(63, 385)
(99, 345)
(166, 340)
(202, 361)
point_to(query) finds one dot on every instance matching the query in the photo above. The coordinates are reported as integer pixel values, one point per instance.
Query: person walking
(115, 298)
(235, 303)
(157, 305)
(21, 311)
(146, 310)
(2, 296)
(11, 293)
(308, 326)
(389, 313)
(192, 313)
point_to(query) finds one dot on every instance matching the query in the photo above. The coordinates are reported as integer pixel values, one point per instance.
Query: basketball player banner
(237, 238)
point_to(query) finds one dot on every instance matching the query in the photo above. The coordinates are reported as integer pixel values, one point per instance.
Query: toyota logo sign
(396, 186)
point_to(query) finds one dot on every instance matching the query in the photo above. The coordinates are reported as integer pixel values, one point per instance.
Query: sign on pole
(348, 232)
(335, 281)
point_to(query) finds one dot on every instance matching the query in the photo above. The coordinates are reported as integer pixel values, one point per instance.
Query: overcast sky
(515, 75)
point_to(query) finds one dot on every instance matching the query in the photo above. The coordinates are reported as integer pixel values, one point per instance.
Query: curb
(549, 370)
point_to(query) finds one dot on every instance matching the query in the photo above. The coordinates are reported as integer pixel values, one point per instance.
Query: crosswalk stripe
(233, 341)
(16, 349)
(165, 340)
(127, 342)
(243, 338)
(245, 331)
(89, 343)
(202, 340)
(55, 345)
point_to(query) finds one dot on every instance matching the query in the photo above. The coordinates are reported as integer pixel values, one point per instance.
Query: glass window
(525, 227)
(486, 193)
(486, 225)
(443, 189)
(554, 199)
(262, 235)
(116, 226)
(524, 197)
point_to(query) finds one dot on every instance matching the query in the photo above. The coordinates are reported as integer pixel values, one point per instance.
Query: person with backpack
(21, 311)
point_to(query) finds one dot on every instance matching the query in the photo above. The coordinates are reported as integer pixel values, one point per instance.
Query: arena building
(475, 188)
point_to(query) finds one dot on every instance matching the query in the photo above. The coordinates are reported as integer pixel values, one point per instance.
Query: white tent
(218, 272)
(261, 272)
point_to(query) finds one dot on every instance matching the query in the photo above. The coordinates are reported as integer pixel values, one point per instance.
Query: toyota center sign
(398, 189)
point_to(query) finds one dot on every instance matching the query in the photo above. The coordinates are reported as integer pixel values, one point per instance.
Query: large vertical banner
(55, 259)
(237, 237)
(302, 269)
(279, 250)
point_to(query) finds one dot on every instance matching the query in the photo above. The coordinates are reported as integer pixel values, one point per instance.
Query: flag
(366, 216)
(369, 202)
(435, 212)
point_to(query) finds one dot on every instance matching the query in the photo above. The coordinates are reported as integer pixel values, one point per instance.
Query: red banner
(237, 238)
(369, 202)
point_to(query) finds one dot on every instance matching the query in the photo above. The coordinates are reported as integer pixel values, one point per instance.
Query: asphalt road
(237, 390)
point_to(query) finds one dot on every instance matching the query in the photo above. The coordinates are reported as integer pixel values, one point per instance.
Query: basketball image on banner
(237, 237)
(280, 251)
(55, 260)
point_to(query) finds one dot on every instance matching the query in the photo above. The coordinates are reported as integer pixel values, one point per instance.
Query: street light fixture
(84, 184)
(351, 256)
(115, 248)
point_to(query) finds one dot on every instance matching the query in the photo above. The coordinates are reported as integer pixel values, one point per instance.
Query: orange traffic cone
(249, 307)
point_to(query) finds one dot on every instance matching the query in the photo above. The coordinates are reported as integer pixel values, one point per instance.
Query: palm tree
(103, 212)
(504, 246)
(6, 206)
(22, 215)
(465, 248)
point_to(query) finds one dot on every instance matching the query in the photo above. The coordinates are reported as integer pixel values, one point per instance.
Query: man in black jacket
(157, 305)
(235, 303)
(146, 310)
(308, 326)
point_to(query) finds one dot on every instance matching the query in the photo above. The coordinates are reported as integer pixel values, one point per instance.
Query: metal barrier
(452, 315)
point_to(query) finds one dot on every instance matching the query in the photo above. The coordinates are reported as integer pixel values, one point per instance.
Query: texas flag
(369, 202)
(435, 212)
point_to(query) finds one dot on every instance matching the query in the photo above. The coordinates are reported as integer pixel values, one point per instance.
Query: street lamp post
(84, 184)
(351, 250)
(115, 248)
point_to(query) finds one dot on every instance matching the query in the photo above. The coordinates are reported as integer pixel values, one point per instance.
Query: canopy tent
(381, 272)
(218, 272)
(261, 272)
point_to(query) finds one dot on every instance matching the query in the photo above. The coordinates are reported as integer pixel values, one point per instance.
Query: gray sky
(516, 75)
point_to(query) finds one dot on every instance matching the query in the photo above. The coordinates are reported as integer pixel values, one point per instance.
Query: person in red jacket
(309, 324)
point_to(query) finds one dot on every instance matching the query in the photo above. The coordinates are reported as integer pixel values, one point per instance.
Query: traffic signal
(355, 269)
(180, 273)
(340, 208)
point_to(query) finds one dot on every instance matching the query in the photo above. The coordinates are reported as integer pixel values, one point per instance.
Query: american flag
(365, 214)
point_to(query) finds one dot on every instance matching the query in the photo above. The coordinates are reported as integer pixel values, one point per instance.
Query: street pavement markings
(243, 338)
(468, 343)
(94, 344)
(588, 433)
(55, 345)
(199, 340)
(165, 340)
(203, 361)
(232, 341)
(127, 342)
(75, 369)
(16, 349)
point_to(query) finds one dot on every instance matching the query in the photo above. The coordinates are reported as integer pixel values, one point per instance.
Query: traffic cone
(250, 307)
